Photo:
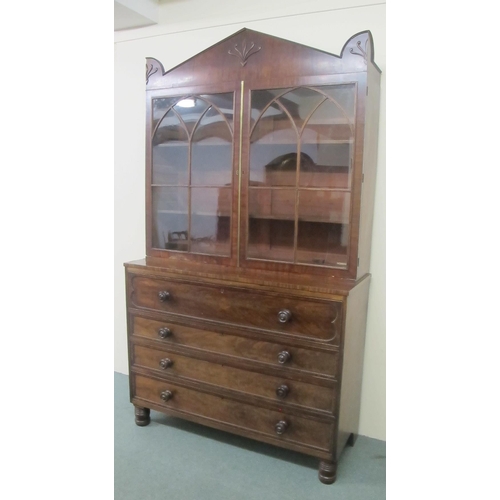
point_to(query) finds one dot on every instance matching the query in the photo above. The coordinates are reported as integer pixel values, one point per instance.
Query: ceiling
(130, 14)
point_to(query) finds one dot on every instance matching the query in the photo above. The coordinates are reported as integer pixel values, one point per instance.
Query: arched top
(298, 130)
(195, 116)
(248, 54)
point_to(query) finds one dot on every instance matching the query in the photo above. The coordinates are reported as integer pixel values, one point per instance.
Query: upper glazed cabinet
(261, 154)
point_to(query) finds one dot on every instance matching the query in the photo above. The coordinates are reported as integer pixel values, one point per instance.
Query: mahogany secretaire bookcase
(248, 313)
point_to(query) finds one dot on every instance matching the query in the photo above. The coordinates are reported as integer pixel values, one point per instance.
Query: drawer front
(249, 382)
(291, 315)
(266, 352)
(223, 410)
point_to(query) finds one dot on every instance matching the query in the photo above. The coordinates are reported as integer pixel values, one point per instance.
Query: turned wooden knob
(166, 363)
(163, 295)
(284, 316)
(282, 391)
(281, 427)
(166, 395)
(283, 357)
(164, 332)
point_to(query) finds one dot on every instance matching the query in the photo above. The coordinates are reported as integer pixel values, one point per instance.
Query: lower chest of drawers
(196, 352)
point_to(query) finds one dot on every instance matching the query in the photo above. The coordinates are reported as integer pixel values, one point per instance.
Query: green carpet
(178, 460)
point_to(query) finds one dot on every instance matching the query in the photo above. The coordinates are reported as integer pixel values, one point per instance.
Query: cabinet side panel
(369, 171)
(128, 289)
(352, 368)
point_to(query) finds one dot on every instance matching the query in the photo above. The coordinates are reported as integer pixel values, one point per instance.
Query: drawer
(261, 421)
(308, 360)
(319, 319)
(253, 383)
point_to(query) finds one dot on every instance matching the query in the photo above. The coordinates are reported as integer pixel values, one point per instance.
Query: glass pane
(190, 109)
(273, 142)
(270, 239)
(160, 107)
(328, 138)
(170, 218)
(212, 152)
(345, 99)
(322, 244)
(324, 206)
(260, 99)
(300, 103)
(328, 123)
(271, 224)
(271, 203)
(326, 165)
(211, 201)
(323, 232)
(301, 138)
(210, 220)
(281, 171)
(170, 152)
(224, 103)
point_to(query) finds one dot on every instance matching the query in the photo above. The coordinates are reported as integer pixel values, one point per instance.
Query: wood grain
(242, 348)
(301, 431)
(248, 382)
(239, 306)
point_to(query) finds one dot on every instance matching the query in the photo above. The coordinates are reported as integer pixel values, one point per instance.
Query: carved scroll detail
(245, 53)
(363, 52)
(150, 70)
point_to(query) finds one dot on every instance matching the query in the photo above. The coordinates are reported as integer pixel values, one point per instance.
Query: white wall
(187, 27)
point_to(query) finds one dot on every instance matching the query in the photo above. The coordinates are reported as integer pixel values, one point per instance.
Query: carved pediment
(248, 53)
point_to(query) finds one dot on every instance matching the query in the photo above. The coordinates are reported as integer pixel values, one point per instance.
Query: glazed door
(190, 181)
(300, 169)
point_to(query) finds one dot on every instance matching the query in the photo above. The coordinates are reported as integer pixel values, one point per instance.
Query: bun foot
(142, 416)
(327, 472)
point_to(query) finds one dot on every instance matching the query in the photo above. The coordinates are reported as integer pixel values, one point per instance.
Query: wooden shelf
(203, 214)
(195, 186)
(285, 254)
(210, 214)
(291, 217)
(270, 141)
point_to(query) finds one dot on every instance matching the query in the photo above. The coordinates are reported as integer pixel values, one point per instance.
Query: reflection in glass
(270, 239)
(328, 123)
(170, 218)
(210, 220)
(224, 105)
(326, 206)
(273, 136)
(261, 99)
(191, 115)
(212, 152)
(170, 152)
(193, 146)
(301, 157)
(211, 201)
(322, 244)
(160, 108)
(272, 203)
(328, 165)
(345, 98)
(300, 103)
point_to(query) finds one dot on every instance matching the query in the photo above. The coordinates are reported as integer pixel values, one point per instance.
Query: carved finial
(245, 53)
